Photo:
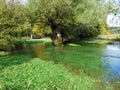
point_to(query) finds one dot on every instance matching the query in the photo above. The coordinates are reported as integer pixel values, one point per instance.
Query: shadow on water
(21, 54)
(9, 60)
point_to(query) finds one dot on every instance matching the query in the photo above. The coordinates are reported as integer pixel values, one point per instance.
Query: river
(95, 60)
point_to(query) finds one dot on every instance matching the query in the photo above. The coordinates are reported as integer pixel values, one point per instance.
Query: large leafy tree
(12, 21)
(68, 17)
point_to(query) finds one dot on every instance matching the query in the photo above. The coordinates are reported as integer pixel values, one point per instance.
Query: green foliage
(70, 16)
(73, 18)
(77, 31)
(41, 29)
(13, 22)
(22, 72)
(43, 40)
(103, 29)
(35, 74)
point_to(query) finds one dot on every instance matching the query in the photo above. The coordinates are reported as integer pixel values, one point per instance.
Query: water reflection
(111, 61)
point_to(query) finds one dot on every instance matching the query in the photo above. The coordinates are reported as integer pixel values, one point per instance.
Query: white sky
(23, 1)
(113, 20)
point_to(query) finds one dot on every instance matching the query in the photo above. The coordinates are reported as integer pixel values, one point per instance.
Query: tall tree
(12, 20)
(64, 16)
(31, 13)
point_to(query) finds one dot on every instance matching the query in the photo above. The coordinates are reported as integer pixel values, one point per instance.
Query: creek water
(95, 60)
(111, 61)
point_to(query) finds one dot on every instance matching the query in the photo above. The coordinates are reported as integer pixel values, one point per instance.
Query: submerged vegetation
(32, 73)
(23, 72)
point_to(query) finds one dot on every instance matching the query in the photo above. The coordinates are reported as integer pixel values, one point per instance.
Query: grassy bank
(21, 72)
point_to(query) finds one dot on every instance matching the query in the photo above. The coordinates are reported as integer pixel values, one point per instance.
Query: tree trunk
(4, 1)
(11, 49)
(57, 38)
(57, 41)
(12, 1)
(31, 35)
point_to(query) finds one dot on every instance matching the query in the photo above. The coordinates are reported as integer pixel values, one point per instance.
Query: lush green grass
(3, 53)
(43, 40)
(21, 72)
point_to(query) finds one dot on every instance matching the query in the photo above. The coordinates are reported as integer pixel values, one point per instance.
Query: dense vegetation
(72, 19)
(35, 74)
(115, 29)
(21, 72)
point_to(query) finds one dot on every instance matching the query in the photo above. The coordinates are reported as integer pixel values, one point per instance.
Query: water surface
(111, 61)
(95, 60)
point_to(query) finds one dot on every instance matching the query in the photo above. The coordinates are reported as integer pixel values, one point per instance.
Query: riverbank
(43, 40)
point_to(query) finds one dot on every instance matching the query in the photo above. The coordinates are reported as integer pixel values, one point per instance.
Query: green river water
(95, 60)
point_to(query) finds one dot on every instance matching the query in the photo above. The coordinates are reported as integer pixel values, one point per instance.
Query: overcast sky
(114, 20)
(23, 1)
